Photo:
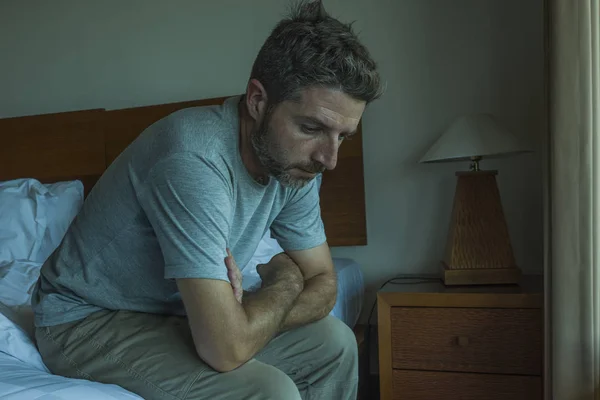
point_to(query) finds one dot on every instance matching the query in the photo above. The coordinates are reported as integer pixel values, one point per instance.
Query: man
(144, 291)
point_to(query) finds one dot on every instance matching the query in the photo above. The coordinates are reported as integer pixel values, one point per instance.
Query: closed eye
(311, 129)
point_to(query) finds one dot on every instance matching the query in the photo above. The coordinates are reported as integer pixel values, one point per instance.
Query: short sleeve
(299, 225)
(188, 202)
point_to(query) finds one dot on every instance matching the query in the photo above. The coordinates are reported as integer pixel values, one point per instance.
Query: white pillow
(17, 279)
(34, 217)
(62, 203)
(22, 219)
(33, 220)
(17, 342)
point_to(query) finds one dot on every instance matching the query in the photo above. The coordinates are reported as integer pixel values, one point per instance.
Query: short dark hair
(309, 48)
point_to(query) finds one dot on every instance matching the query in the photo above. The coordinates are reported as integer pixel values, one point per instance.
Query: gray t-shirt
(167, 208)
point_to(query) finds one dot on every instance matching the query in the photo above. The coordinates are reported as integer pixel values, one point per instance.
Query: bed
(51, 162)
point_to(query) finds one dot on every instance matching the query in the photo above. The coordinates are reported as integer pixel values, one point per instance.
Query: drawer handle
(462, 341)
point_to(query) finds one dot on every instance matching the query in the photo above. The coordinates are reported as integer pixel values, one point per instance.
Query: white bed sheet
(351, 290)
(23, 376)
(20, 381)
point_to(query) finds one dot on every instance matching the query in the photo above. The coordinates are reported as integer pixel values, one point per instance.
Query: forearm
(314, 303)
(266, 311)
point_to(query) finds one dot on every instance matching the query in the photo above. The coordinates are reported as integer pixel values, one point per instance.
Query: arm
(299, 230)
(320, 286)
(188, 203)
(318, 297)
(227, 333)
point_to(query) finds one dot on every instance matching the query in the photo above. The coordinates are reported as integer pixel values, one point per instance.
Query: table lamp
(478, 248)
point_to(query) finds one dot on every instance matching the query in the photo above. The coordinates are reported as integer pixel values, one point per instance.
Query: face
(299, 139)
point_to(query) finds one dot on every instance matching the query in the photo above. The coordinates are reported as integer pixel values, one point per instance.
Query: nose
(328, 153)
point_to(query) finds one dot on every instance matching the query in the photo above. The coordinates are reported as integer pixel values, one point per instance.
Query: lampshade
(475, 135)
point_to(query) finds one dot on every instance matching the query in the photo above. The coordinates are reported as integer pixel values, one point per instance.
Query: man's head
(308, 88)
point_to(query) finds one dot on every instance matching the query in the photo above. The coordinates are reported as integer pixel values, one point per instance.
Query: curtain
(572, 265)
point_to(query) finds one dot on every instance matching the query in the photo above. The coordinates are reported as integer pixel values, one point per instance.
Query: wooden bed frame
(82, 144)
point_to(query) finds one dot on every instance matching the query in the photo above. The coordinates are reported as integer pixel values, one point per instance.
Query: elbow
(329, 305)
(224, 366)
(332, 295)
(230, 358)
(229, 362)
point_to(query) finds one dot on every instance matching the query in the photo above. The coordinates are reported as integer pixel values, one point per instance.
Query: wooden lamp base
(478, 250)
(484, 276)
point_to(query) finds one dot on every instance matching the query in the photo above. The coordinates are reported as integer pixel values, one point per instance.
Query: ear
(256, 100)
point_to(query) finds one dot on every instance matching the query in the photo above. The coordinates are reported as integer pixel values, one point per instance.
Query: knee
(337, 339)
(273, 385)
(252, 381)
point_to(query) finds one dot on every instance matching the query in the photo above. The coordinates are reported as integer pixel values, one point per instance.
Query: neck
(249, 158)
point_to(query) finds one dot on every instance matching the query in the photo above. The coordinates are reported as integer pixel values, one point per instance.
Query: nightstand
(441, 342)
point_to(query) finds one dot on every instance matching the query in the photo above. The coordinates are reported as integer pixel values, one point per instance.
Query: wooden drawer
(490, 340)
(426, 385)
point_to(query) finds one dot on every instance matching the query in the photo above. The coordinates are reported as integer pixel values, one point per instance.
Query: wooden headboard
(82, 144)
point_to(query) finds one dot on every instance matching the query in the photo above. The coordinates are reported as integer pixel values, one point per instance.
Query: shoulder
(200, 129)
(207, 133)
(194, 129)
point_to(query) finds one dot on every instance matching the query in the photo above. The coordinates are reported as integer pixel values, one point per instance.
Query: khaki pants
(154, 356)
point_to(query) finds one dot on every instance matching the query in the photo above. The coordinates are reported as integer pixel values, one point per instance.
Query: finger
(236, 285)
(238, 291)
(230, 263)
(231, 276)
(236, 282)
(230, 260)
(234, 264)
(234, 275)
(233, 272)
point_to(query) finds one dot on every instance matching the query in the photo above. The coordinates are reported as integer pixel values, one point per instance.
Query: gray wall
(440, 58)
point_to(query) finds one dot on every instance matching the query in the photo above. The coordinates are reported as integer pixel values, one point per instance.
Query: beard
(275, 159)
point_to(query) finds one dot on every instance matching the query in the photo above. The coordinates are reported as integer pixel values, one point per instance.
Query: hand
(280, 268)
(235, 276)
